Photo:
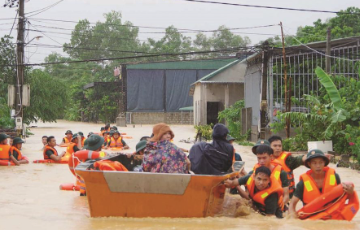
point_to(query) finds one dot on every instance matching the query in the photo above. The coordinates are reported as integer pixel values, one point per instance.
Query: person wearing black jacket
(215, 158)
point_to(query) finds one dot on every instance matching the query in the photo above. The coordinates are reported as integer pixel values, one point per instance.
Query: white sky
(163, 13)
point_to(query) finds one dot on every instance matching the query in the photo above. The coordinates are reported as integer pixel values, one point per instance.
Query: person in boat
(44, 141)
(139, 155)
(116, 141)
(145, 138)
(213, 158)
(161, 155)
(318, 180)
(107, 127)
(50, 152)
(114, 128)
(89, 134)
(15, 153)
(265, 192)
(67, 138)
(264, 157)
(4, 147)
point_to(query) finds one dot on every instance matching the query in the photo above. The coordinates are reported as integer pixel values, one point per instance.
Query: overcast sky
(164, 13)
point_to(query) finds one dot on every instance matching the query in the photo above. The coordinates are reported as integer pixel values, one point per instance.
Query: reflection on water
(30, 196)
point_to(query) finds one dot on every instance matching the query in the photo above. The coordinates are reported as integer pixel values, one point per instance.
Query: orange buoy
(10, 163)
(334, 205)
(69, 187)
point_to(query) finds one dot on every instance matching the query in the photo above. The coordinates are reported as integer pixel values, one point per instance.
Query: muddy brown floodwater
(30, 196)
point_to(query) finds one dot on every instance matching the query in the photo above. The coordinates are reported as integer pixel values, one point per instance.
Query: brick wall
(183, 118)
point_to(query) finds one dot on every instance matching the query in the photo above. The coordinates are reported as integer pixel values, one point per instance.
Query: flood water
(30, 196)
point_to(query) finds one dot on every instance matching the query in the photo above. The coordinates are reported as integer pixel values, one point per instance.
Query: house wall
(235, 73)
(225, 93)
(252, 92)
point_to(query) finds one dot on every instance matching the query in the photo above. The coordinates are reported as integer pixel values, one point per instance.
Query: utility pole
(328, 51)
(287, 92)
(264, 105)
(20, 62)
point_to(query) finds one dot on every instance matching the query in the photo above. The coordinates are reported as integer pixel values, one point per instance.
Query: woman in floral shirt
(162, 156)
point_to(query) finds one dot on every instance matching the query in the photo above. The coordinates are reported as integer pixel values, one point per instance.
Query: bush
(232, 116)
(6, 122)
(204, 130)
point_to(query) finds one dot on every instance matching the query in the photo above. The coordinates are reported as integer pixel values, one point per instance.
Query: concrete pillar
(227, 96)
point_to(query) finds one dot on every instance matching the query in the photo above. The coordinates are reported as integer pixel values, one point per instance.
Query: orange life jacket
(4, 152)
(70, 148)
(13, 148)
(83, 141)
(66, 140)
(290, 175)
(116, 143)
(260, 196)
(107, 165)
(46, 148)
(275, 173)
(311, 191)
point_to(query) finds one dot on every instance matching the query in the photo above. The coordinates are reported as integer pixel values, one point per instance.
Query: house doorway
(212, 112)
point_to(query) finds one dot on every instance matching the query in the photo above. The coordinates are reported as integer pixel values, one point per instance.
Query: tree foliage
(47, 99)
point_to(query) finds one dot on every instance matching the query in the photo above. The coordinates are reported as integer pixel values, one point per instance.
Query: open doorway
(212, 112)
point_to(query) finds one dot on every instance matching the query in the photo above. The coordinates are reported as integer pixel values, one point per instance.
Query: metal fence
(301, 65)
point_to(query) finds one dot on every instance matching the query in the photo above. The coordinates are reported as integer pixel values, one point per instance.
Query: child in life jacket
(15, 154)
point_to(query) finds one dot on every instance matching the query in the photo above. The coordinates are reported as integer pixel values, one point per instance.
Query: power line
(43, 9)
(154, 27)
(271, 7)
(134, 57)
(13, 22)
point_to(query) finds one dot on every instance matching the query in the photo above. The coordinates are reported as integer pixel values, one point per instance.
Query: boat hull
(136, 194)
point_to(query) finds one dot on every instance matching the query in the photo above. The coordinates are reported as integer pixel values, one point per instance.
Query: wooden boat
(143, 194)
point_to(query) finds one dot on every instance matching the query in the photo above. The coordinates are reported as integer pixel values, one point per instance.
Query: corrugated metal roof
(216, 72)
(198, 64)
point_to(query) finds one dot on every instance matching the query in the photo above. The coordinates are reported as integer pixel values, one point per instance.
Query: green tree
(47, 100)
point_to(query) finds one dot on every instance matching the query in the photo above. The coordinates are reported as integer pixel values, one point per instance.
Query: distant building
(156, 92)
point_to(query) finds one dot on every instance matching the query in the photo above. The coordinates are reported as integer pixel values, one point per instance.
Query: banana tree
(325, 118)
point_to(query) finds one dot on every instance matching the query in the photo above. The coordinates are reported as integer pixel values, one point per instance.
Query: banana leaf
(330, 88)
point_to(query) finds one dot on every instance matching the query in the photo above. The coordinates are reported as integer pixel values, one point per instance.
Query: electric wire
(271, 7)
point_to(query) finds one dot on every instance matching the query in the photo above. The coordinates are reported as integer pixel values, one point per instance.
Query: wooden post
(328, 51)
(287, 94)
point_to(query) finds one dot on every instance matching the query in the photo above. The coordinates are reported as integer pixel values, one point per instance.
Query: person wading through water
(50, 152)
(318, 180)
(264, 157)
(15, 154)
